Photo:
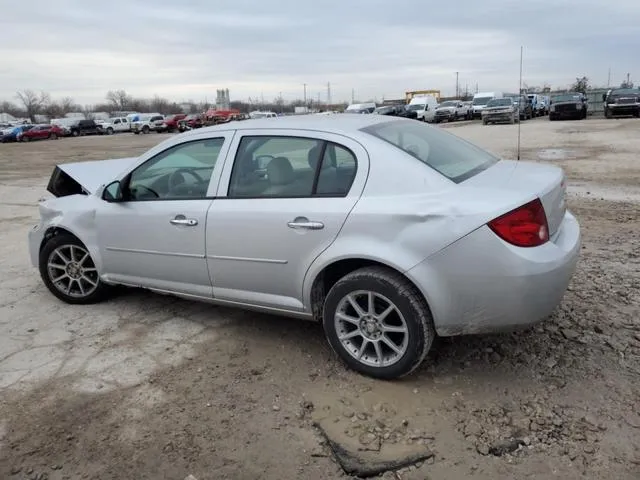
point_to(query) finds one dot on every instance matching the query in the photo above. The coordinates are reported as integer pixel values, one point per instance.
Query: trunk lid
(547, 182)
(86, 177)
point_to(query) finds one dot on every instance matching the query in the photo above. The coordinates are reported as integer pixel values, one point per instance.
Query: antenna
(520, 93)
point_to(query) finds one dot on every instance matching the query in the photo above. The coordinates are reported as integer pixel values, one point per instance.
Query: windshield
(416, 106)
(384, 109)
(448, 104)
(625, 91)
(566, 98)
(481, 100)
(500, 102)
(446, 153)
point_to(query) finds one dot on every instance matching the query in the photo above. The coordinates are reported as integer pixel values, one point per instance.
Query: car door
(155, 236)
(283, 199)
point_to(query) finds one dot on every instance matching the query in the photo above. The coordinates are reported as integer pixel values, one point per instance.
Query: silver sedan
(386, 230)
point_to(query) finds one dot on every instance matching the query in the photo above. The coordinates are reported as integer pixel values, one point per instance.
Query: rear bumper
(481, 284)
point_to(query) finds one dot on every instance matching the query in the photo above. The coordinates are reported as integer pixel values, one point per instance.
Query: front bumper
(35, 237)
(481, 284)
(498, 117)
(624, 108)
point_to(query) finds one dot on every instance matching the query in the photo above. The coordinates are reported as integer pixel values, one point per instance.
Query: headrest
(280, 171)
(313, 157)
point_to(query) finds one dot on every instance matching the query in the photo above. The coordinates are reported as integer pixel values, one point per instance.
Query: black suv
(85, 127)
(568, 105)
(621, 101)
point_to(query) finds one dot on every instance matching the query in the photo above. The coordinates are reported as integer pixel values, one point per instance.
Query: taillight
(526, 226)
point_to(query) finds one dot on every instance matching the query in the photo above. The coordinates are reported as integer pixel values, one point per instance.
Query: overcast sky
(186, 49)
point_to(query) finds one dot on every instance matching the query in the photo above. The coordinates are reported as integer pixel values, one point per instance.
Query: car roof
(339, 123)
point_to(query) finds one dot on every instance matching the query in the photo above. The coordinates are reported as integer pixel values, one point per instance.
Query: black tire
(484, 122)
(607, 113)
(53, 136)
(109, 131)
(75, 133)
(409, 302)
(98, 294)
(137, 132)
(26, 139)
(145, 129)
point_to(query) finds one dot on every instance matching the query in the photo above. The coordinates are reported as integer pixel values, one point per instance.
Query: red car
(171, 122)
(40, 132)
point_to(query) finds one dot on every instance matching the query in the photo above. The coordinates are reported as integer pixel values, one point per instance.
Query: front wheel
(109, 131)
(69, 272)
(378, 323)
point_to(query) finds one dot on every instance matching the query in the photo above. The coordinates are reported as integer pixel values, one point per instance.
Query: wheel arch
(317, 287)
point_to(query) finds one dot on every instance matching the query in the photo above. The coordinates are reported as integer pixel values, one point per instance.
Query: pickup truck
(451, 110)
(171, 122)
(148, 123)
(85, 127)
(114, 125)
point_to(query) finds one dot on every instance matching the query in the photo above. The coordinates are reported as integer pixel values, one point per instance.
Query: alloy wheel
(371, 328)
(72, 271)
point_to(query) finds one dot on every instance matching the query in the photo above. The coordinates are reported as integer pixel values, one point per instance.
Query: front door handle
(182, 220)
(303, 223)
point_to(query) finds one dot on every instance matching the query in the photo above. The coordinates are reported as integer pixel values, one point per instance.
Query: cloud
(186, 50)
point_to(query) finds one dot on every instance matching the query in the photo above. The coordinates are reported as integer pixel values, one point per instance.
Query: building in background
(222, 99)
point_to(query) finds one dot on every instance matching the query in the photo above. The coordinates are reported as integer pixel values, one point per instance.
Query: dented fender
(73, 213)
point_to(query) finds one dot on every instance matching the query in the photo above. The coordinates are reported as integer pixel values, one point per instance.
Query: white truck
(424, 106)
(114, 125)
(147, 122)
(452, 110)
(480, 101)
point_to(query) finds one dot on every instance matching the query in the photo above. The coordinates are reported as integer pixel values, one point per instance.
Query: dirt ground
(147, 386)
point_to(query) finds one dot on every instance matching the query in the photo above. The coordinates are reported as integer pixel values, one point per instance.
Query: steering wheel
(176, 177)
(151, 190)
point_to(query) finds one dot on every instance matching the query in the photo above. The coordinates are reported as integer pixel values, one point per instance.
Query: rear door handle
(305, 224)
(182, 220)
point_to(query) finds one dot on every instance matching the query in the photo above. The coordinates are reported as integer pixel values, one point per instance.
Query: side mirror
(112, 193)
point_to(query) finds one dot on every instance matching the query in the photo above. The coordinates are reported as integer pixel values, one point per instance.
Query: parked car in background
(115, 125)
(194, 120)
(543, 101)
(41, 132)
(537, 104)
(398, 110)
(523, 104)
(85, 127)
(451, 110)
(368, 107)
(481, 99)
(571, 105)
(382, 285)
(12, 134)
(424, 106)
(501, 110)
(171, 122)
(152, 122)
(621, 101)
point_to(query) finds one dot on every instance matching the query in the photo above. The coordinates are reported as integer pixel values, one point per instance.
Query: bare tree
(87, 111)
(160, 105)
(68, 105)
(32, 102)
(119, 99)
(581, 85)
(11, 109)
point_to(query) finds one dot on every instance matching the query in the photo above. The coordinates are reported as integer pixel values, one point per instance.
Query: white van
(480, 101)
(361, 108)
(424, 106)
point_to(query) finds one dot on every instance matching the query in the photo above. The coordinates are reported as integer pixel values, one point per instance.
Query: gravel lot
(151, 387)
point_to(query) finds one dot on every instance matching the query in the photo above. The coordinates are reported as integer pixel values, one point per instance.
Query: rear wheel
(53, 136)
(26, 139)
(145, 129)
(484, 121)
(378, 323)
(69, 272)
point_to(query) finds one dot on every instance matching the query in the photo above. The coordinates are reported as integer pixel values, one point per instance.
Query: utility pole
(305, 94)
(353, 95)
(328, 94)
(476, 87)
(457, 88)
(628, 81)
(609, 77)
(281, 103)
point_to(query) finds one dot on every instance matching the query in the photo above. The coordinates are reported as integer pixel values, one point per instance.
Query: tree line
(29, 103)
